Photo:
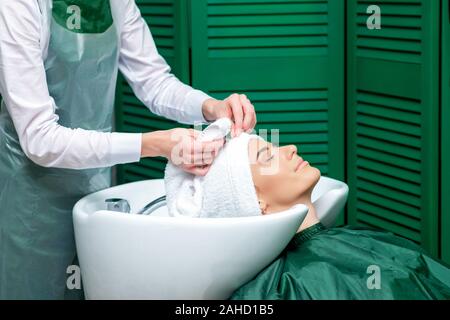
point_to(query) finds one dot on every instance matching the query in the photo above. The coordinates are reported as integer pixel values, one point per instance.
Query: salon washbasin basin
(131, 256)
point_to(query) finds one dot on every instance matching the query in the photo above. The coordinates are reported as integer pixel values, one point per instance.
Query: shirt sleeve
(149, 74)
(24, 89)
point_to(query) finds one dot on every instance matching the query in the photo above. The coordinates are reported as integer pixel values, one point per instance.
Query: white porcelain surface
(129, 256)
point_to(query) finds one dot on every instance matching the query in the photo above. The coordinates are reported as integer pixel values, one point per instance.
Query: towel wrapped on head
(227, 190)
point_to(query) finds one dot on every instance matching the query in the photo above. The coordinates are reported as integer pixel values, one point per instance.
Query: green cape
(349, 263)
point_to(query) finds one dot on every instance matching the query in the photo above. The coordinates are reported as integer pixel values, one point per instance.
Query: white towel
(227, 190)
(183, 190)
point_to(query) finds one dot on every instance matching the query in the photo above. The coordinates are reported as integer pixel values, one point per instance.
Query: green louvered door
(287, 57)
(169, 26)
(393, 101)
(445, 125)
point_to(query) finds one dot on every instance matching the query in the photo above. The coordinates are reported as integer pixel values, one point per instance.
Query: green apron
(36, 231)
(344, 263)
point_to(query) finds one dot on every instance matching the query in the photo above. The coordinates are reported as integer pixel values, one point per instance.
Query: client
(253, 177)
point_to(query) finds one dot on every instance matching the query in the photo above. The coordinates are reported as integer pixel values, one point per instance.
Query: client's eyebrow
(261, 150)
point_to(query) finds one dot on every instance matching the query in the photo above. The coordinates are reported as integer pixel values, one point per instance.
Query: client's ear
(263, 206)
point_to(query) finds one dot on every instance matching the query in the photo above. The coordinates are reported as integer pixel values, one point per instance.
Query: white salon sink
(131, 256)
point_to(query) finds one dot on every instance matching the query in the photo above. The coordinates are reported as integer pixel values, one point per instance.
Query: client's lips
(301, 163)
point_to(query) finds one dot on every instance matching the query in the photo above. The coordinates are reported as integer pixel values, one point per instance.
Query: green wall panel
(168, 22)
(288, 58)
(445, 139)
(393, 108)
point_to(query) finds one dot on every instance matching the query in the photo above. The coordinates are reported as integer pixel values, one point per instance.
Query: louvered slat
(165, 24)
(159, 15)
(301, 116)
(278, 54)
(392, 119)
(377, 120)
(399, 39)
(445, 133)
(255, 28)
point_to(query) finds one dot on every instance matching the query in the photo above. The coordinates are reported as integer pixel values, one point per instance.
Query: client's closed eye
(270, 158)
(270, 154)
(267, 152)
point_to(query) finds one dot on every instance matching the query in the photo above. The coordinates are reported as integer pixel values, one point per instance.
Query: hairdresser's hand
(182, 148)
(236, 107)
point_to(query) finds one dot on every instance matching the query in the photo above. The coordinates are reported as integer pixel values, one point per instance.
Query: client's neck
(311, 218)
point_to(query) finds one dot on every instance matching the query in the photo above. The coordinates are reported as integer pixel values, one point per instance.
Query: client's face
(281, 177)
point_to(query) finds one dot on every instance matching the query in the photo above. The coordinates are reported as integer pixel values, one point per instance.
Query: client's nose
(290, 151)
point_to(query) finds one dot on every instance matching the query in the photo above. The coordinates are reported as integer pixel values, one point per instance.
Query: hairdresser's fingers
(210, 152)
(236, 107)
(195, 146)
(253, 121)
(184, 137)
(188, 168)
(197, 159)
(194, 156)
(189, 149)
(199, 148)
(201, 171)
(208, 158)
(197, 170)
(213, 145)
(194, 133)
(202, 153)
(186, 151)
(217, 148)
(249, 112)
(192, 149)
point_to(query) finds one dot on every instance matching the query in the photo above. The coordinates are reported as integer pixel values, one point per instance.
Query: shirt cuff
(194, 103)
(125, 147)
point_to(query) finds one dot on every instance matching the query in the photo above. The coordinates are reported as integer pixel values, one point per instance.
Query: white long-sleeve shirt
(24, 38)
